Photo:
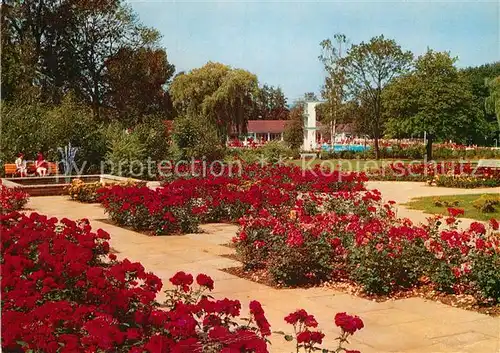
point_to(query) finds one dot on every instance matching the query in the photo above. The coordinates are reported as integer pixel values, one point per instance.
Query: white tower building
(310, 127)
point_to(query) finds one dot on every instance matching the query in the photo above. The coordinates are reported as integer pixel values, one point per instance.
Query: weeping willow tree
(224, 96)
(493, 101)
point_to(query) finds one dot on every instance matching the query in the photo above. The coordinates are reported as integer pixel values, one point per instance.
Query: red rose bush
(181, 204)
(62, 291)
(12, 199)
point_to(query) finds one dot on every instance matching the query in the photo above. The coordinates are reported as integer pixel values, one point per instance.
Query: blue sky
(279, 41)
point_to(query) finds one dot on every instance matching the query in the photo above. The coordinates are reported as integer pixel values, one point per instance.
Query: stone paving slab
(409, 325)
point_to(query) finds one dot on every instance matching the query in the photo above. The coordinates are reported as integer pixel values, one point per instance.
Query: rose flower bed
(365, 243)
(12, 199)
(181, 204)
(446, 174)
(62, 291)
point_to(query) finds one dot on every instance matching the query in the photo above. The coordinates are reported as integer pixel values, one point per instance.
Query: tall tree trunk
(376, 130)
(377, 150)
(334, 131)
(96, 99)
(428, 147)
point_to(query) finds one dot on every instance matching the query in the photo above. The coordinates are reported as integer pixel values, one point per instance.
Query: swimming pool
(340, 148)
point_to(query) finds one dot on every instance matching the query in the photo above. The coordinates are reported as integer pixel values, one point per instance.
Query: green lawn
(427, 204)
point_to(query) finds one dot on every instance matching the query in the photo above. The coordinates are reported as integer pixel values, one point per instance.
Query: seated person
(41, 165)
(21, 165)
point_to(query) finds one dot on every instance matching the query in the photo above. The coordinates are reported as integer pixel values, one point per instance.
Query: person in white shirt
(21, 165)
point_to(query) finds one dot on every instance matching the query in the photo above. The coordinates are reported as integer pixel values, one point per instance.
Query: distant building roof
(264, 126)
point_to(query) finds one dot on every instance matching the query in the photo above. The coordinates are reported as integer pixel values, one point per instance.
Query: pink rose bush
(62, 291)
(368, 245)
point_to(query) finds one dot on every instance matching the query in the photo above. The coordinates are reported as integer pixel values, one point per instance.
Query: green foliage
(294, 265)
(270, 104)
(380, 269)
(137, 78)
(434, 98)
(253, 256)
(154, 135)
(275, 151)
(367, 69)
(484, 272)
(194, 137)
(484, 94)
(466, 182)
(294, 130)
(487, 203)
(126, 154)
(30, 128)
(334, 110)
(442, 275)
(219, 93)
(98, 50)
(492, 102)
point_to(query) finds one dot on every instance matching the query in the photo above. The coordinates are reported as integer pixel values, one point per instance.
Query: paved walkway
(409, 325)
(403, 191)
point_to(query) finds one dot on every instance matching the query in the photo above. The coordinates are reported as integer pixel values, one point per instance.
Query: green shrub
(485, 271)
(253, 247)
(313, 261)
(382, 268)
(441, 274)
(126, 155)
(195, 137)
(487, 203)
(275, 151)
(154, 135)
(33, 127)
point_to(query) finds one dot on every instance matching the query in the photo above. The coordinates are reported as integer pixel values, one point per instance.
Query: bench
(11, 170)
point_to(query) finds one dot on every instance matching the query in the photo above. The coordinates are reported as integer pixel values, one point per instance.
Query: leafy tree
(136, 81)
(33, 127)
(189, 90)
(333, 110)
(480, 78)
(52, 47)
(294, 130)
(310, 97)
(368, 68)
(492, 102)
(270, 104)
(434, 98)
(223, 95)
(125, 155)
(194, 138)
